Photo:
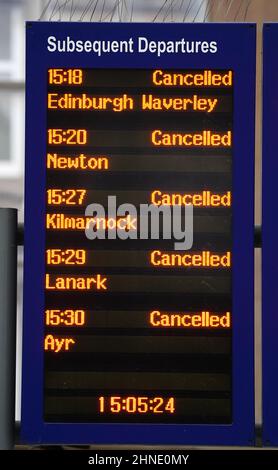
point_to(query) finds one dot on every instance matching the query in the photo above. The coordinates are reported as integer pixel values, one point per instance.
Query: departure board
(139, 175)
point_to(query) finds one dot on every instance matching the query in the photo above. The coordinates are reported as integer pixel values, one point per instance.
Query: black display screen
(136, 331)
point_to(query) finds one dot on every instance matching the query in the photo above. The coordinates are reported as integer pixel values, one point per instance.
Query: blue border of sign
(237, 51)
(269, 236)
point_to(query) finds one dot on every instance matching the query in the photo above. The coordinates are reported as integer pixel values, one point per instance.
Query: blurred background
(14, 13)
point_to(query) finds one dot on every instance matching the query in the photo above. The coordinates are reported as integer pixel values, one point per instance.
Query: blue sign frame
(269, 236)
(236, 51)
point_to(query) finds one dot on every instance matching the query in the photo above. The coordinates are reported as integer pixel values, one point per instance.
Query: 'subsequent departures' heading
(139, 45)
(136, 324)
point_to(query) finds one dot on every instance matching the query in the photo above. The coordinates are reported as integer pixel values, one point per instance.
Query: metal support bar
(8, 270)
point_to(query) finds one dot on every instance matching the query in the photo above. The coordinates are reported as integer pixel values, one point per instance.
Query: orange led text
(80, 162)
(55, 344)
(97, 282)
(194, 103)
(95, 103)
(200, 139)
(186, 320)
(204, 259)
(203, 199)
(205, 78)
(63, 222)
